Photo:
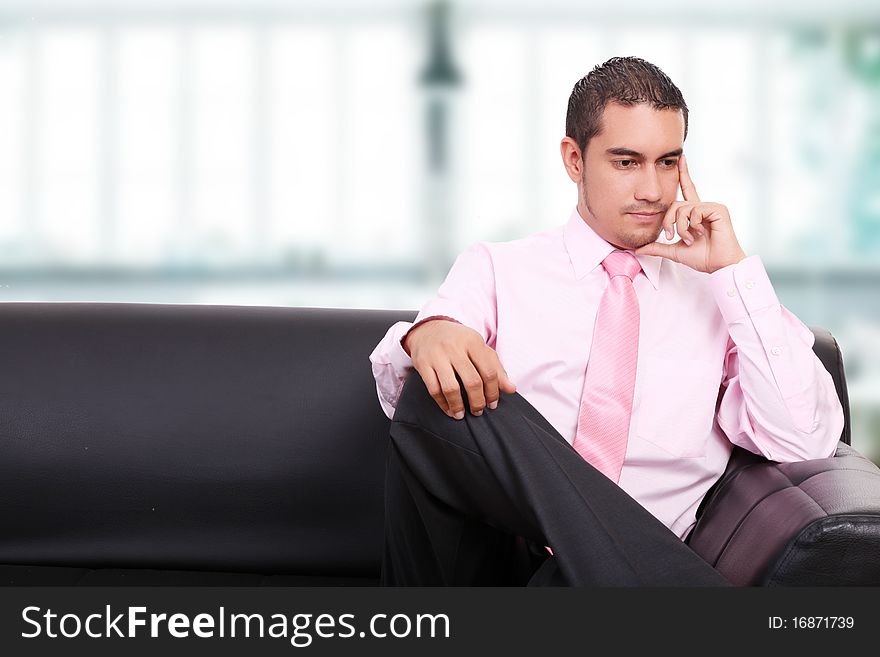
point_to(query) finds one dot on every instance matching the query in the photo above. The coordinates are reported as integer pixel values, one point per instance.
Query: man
(608, 371)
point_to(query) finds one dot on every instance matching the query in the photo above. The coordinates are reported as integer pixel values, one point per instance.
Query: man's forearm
(780, 401)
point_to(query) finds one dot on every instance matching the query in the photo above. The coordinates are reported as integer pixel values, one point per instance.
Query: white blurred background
(341, 153)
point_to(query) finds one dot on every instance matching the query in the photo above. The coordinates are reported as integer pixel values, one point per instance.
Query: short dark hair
(624, 80)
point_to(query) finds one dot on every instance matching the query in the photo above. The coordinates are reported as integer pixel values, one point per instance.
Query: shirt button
(750, 284)
(731, 292)
(776, 351)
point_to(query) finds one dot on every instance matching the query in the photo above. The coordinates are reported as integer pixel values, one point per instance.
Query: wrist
(731, 261)
(405, 343)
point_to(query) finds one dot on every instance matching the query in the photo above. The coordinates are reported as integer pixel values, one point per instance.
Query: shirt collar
(587, 250)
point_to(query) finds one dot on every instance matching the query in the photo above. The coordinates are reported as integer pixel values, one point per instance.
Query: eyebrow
(639, 156)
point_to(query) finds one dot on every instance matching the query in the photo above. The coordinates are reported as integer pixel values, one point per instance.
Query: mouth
(645, 217)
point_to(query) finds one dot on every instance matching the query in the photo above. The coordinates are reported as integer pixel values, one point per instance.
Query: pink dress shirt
(720, 360)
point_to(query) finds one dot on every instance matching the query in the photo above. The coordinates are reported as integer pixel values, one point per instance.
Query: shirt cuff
(389, 351)
(742, 289)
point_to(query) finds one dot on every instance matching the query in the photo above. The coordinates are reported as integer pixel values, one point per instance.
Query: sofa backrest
(828, 351)
(195, 437)
(229, 438)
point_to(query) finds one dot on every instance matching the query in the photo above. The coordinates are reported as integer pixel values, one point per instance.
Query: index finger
(688, 189)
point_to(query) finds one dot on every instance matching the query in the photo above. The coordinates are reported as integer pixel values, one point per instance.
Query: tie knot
(621, 263)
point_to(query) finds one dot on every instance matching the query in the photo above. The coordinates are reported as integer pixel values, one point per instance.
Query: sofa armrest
(809, 523)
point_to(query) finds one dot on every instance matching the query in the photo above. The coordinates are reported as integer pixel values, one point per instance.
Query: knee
(416, 405)
(419, 414)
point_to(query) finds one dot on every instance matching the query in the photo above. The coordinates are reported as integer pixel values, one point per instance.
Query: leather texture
(186, 444)
(810, 523)
(190, 438)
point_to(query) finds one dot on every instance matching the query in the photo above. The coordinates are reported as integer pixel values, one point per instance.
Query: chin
(633, 242)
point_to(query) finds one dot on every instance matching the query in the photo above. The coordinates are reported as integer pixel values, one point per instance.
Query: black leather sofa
(233, 445)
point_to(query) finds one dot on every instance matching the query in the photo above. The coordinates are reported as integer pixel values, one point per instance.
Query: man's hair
(624, 80)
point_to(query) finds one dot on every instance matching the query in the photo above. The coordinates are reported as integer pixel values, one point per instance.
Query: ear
(572, 159)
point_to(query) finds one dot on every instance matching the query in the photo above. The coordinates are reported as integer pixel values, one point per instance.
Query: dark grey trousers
(472, 502)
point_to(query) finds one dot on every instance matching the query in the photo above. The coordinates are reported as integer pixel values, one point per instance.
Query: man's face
(631, 166)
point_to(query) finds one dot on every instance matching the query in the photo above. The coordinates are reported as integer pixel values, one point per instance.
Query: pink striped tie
(606, 402)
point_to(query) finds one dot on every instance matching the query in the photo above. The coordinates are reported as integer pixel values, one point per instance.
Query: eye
(670, 163)
(620, 163)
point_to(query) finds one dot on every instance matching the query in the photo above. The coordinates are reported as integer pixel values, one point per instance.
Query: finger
(489, 370)
(681, 223)
(451, 390)
(696, 221)
(472, 382)
(689, 215)
(432, 383)
(669, 220)
(659, 249)
(489, 362)
(505, 382)
(688, 189)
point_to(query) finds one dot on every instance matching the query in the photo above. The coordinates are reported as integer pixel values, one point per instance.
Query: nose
(648, 186)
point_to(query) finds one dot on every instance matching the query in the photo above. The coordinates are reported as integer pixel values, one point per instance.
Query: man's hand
(440, 348)
(708, 242)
